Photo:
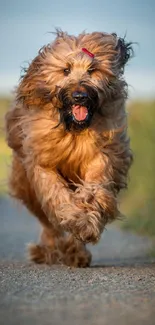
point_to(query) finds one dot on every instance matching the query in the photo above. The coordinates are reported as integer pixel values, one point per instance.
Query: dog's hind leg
(48, 250)
(64, 250)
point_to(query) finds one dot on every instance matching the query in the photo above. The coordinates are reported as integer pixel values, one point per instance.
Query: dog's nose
(79, 95)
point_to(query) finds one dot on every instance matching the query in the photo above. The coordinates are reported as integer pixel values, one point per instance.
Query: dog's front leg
(66, 208)
(84, 212)
(98, 201)
(52, 193)
(56, 198)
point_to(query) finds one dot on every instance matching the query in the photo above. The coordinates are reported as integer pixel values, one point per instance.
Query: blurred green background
(138, 202)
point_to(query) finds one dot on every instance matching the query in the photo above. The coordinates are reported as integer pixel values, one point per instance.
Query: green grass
(138, 202)
(5, 152)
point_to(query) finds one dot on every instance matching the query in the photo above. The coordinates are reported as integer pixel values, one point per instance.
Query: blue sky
(24, 27)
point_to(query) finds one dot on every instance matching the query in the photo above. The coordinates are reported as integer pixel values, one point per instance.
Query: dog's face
(78, 75)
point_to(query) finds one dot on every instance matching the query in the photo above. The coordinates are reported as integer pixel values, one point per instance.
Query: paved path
(119, 288)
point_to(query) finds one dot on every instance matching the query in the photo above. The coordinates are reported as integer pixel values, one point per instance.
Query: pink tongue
(79, 112)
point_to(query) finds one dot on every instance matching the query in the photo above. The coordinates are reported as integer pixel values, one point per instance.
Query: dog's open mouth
(78, 107)
(79, 112)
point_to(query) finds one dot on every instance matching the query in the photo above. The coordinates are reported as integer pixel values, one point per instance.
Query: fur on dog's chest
(77, 155)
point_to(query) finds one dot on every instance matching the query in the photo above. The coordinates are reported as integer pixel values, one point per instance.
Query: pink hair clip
(87, 52)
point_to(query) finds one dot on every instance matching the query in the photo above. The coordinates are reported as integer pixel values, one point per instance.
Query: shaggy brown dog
(68, 132)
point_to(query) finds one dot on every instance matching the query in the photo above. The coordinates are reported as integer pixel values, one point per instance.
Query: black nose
(79, 96)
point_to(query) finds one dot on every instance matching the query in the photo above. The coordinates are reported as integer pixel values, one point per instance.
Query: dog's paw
(85, 227)
(88, 231)
(75, 253)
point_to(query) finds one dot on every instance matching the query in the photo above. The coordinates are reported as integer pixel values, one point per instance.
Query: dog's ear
(124, 51)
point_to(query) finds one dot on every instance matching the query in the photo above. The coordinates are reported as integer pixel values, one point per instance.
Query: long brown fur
(70, 180)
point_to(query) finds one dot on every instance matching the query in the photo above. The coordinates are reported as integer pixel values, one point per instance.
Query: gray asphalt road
(119, 288)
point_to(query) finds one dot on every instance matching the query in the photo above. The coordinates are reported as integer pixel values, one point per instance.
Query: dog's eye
(67, 71)
(91, 70)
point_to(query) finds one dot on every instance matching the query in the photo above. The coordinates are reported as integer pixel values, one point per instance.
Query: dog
(67, 129)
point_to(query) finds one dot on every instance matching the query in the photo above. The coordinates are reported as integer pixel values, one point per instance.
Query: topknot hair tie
(87, 52)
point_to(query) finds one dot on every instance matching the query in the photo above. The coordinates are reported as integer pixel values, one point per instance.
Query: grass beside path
(5, 152)
(138, 203)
